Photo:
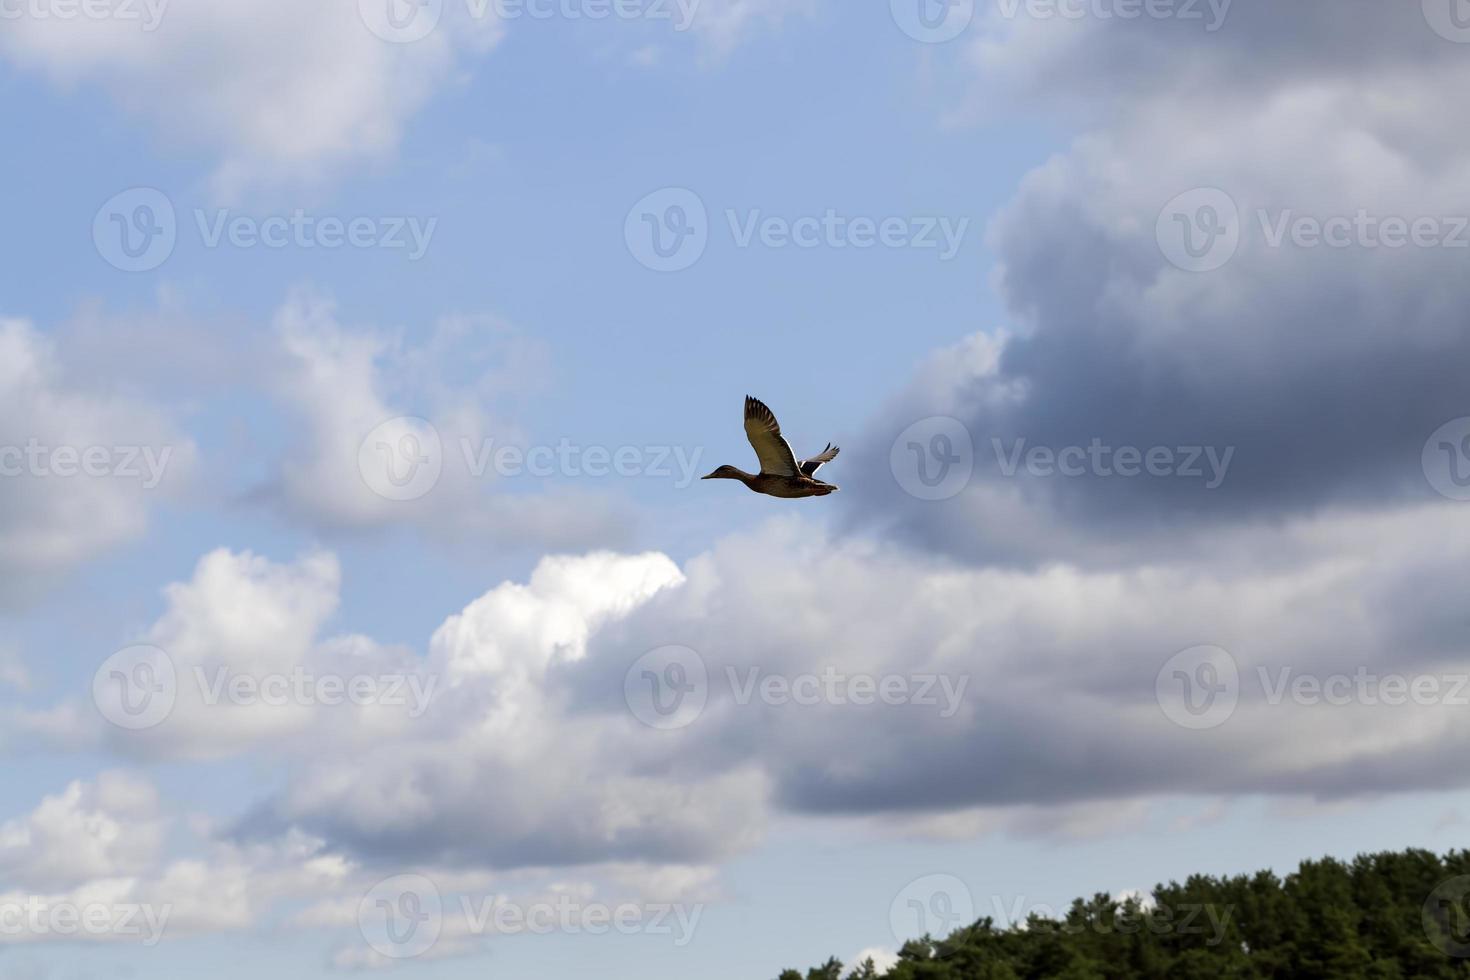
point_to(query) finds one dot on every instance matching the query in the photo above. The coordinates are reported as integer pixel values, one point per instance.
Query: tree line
(1387, 916)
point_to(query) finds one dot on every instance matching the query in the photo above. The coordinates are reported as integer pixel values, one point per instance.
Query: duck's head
(724, 473)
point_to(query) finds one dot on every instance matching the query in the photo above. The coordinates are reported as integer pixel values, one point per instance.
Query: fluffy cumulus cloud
(387, 433)
(277, 91)
(464, 735)
(79, 463)
(106, 828)
(1320, 364)
(241, 660)
(90, 864)
(935, 698)
(503, 771)
(995, 688)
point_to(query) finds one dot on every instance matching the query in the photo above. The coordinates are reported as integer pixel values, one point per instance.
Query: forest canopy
(1383, 916)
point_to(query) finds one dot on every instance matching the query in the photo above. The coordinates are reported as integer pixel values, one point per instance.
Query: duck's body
(772, 485)
(781, 475)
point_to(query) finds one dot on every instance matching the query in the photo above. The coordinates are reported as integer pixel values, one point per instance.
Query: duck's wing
(809, 467)
(764, 433)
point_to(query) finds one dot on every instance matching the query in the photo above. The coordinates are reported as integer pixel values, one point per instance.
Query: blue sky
(1061, 151)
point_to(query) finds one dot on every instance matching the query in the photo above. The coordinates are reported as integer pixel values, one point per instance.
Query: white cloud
(1059, 731)
(883, 959)
(277, 91)
(103, 829)
(503, 744)
(99, 847)
(384, 433)
(79, 465)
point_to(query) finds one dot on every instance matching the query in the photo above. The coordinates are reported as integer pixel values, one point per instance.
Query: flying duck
(781, 475)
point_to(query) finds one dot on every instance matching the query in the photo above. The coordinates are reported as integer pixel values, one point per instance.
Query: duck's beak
(709, 476)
